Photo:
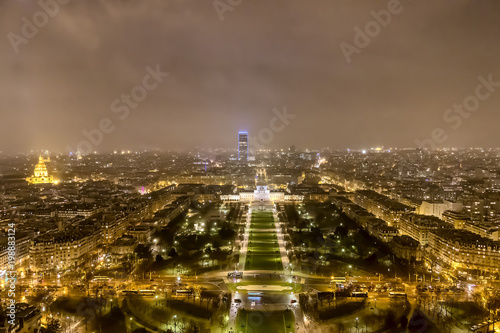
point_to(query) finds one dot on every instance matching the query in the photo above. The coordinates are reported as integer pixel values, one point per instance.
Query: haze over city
(228, 71)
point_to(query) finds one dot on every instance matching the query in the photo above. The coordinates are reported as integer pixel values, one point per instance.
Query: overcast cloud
(228, 75)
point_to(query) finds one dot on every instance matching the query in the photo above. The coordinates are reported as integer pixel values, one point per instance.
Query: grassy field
(263, 322)
(263, 249)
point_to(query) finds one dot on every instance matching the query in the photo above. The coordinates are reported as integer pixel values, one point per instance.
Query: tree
(88, 278)
(341, 232)
(372, 260)
(114, 321)
(320, 217)
(172, 253)
(493, 306)
(226, 232)
(403, 321)
(53, 325)
(144, 252)
(303, 225)
(390, 320)
(159, 258)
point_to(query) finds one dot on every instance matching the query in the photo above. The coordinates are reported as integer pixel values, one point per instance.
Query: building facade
(243, 146)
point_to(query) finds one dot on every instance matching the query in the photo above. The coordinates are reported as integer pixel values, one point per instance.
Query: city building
(142, 234)
(123, 248)
(381, 206)
(486, 229)
(419, 227)
(40, 175)
(463, 250)
(60, 250)
(438, 207)
(243, 146)
(456, 219)
(262, 193)
(407, 248)
(28, 320)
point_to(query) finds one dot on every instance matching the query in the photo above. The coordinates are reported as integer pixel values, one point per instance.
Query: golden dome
(40, 175)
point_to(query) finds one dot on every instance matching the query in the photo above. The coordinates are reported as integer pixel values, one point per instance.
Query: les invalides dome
(40, 175)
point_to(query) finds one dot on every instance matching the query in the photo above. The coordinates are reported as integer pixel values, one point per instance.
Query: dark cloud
(228, 75)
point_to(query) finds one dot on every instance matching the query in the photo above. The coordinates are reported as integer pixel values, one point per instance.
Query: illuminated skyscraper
(243, 146)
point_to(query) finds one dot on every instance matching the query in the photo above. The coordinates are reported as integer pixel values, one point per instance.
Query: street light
(175, 323)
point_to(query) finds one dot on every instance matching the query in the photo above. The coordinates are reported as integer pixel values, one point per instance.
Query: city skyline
(249, 166)
(298, 240)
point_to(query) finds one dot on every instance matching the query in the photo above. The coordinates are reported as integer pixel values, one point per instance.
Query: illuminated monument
(41, 175)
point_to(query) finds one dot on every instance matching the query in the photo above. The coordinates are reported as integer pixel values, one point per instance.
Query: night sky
(228, 75)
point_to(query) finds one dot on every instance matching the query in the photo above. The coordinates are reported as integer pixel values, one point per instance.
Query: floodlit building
(262, 193)
(40, 175)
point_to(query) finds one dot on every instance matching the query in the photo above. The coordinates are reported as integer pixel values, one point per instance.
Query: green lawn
(263, 322)
(267, 262)
(257, 226)
(263, 249)
(268, 237)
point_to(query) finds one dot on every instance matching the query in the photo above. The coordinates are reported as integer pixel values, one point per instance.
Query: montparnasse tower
(40, 175)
